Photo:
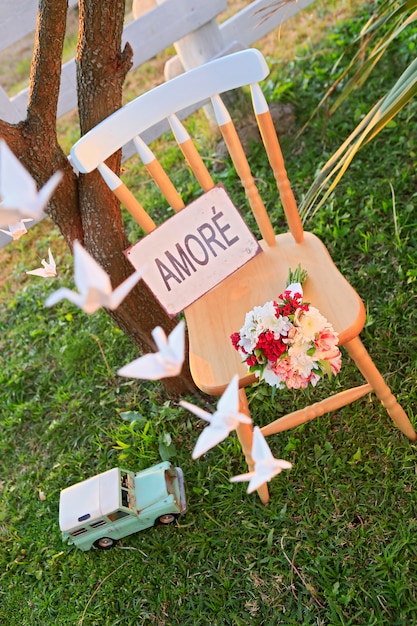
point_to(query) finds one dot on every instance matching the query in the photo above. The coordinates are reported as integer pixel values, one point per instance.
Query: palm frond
(378, 117)
(369, 47)
(270, 9)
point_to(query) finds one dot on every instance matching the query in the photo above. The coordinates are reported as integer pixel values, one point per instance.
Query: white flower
(269, 321)
(259, 320)
(309, 324)
(300, 360)
(251, 329)
(270, 377)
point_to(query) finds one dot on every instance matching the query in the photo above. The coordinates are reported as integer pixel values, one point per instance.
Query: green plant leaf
(166, 447)
(133, 416)
(379, 116)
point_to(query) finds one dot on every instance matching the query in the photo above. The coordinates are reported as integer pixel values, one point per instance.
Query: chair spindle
(191, 154)
(276, 160)
(127, 198)
(241, 164)
(158, 174)
(308, 413)
(245, 435)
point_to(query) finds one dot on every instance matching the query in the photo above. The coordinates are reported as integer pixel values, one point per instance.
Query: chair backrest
(201, 84)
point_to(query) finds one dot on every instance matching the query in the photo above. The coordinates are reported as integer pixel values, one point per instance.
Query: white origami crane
(18, 192)
(48, 269)
(225, 419)
(17, 229)
(164, 363)
(266, 466)
(93, 284)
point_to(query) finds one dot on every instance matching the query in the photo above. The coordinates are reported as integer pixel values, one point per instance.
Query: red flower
(271, 347)
(235, 338)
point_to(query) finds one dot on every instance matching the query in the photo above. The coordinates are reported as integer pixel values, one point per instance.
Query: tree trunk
(100, 78)
(83, 207)
(34, 140)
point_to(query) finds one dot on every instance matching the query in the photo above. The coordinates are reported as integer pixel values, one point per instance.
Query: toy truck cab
(101, 510)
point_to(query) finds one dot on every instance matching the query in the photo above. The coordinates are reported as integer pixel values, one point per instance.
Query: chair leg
(366, 366)
(308, 413)
(245, 436)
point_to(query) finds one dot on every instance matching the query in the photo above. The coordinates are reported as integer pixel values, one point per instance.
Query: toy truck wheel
(105, 543)
(168, 518)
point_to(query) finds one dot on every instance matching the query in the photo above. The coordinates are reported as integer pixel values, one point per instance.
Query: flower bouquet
(288, 343)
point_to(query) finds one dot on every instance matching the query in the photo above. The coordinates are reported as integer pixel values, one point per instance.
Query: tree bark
(34, 140)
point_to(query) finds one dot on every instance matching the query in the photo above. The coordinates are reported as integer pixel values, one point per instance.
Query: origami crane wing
(94, 285)
(228, 405)
(17, 229)
(255, 479)
(41, 271)
(15, 181)
(261, 452)
(113, 300)
(8, 215)
(210, 437)
(229, 401)
(201, 413)
(65, 294)
(167, 362)
(174, 346)
(20, 197)
(147, 367)
(88, 273)
(221, 422)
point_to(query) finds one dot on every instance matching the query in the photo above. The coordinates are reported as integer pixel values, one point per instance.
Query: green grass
(336, 546)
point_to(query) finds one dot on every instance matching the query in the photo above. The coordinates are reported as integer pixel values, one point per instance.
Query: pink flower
(335, 362)
(326, 341)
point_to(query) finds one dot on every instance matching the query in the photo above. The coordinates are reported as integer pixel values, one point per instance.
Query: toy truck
(101, 510)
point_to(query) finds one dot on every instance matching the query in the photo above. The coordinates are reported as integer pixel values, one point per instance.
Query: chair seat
(213, 360)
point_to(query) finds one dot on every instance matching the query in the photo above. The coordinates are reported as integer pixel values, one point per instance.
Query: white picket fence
(152, 32)
(191, 25)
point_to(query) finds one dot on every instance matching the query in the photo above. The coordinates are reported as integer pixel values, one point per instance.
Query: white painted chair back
(199, 85)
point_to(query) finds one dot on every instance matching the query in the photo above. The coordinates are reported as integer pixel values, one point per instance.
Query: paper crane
(266, 466)
(17, 229)
(164, 363)
(93, 284)
(225, 419)
(18, 192)
(48, 269)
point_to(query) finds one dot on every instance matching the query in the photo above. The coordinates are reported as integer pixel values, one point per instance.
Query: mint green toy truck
(101, 510)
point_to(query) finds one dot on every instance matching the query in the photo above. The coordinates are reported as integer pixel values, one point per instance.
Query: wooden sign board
(194, 250)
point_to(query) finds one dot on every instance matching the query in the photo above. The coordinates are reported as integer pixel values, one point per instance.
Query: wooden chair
(214, 316)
